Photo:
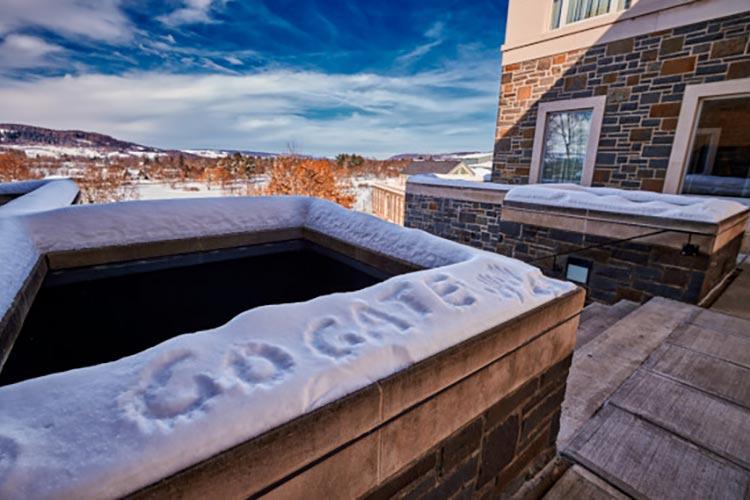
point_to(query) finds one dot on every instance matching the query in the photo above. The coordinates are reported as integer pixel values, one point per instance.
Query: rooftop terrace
(413, 366)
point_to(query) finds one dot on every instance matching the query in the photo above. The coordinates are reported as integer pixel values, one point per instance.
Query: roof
(431, 167)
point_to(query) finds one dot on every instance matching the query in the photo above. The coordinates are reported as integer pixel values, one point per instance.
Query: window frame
(687, 122)
(597, 105)
(613, 8)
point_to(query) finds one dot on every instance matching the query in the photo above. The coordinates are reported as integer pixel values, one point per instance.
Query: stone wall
(644, 79)
(473, 223)
(635, 270)
(477, 418)
(628, 270)
(493, 454)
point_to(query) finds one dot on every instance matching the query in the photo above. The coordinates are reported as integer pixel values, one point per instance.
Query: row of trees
(115, 179)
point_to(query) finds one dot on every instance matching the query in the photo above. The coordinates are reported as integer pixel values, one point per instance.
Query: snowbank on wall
(43, 195)
(18, 256)
(106, 430)
(667, 206)
(457, 182)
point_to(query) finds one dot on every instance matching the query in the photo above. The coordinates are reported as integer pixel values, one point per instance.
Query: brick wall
(493, 454)
(644, 79)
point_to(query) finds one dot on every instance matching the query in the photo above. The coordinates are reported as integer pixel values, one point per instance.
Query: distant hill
(436, 156)
(39, 141)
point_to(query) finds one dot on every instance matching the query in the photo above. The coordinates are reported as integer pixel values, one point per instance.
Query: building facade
(648, 94)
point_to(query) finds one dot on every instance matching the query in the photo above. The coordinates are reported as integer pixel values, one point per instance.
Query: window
(565, 141)
(719, 160)
(711, 149)
(566, 135)
(566, 12)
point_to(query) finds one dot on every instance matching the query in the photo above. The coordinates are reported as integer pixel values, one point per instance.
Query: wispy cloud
(324, 114)
(98, 20)
(23, 51)
(331, 76)
(434, 37)
(192, 12)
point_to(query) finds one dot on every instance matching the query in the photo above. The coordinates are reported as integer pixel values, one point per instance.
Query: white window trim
(596, 104)
(683, 138)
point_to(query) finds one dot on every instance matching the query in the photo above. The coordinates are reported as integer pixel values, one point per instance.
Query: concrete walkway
(658, 406)
(735, 300)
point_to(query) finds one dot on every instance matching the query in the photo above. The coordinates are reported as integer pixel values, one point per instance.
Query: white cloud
(323, 114)
(23, 51)
(98, 20)
(434, 35)
(193, 12)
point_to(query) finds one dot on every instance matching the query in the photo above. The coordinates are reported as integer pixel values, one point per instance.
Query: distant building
(442, 167)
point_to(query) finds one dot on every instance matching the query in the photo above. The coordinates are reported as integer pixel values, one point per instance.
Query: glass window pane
(556, 11)
(719, 160)
(566, 135)
(579, 10)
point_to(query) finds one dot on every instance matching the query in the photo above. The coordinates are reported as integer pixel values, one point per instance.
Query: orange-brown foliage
(306, 177)
(14, 167)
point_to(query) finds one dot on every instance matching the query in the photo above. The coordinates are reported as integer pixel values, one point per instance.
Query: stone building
(648, 94)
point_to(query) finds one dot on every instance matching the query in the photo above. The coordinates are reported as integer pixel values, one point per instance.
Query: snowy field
(155, 190)
(148, 190)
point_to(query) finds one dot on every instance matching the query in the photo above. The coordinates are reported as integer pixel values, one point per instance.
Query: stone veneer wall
(628, 270)
(477, 418)
(644, 79)
(470, 222)
(495, 453)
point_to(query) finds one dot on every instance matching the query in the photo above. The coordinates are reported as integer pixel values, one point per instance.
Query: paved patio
(658, 404)
(734, 301)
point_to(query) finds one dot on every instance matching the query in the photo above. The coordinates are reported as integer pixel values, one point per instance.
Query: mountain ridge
(42, 141)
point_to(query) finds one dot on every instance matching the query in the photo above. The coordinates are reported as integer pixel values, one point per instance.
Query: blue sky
(372, 77)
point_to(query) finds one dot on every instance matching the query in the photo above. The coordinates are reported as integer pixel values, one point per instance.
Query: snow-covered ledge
(36, 196)
(457, 188)
(263, 402)
(619, 214)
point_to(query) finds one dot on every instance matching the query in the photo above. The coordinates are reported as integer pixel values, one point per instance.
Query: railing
(388, 203)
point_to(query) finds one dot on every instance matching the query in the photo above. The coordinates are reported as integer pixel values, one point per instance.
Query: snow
(452, 181)
(49, 151)
(647, 203)
(149, 190)
(106, 430)
(43, 195)
(18, 255)
(207, 153)
(39, 151)
(20, 187)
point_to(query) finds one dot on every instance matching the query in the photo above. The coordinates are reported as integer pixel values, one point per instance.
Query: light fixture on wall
(578, 270)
